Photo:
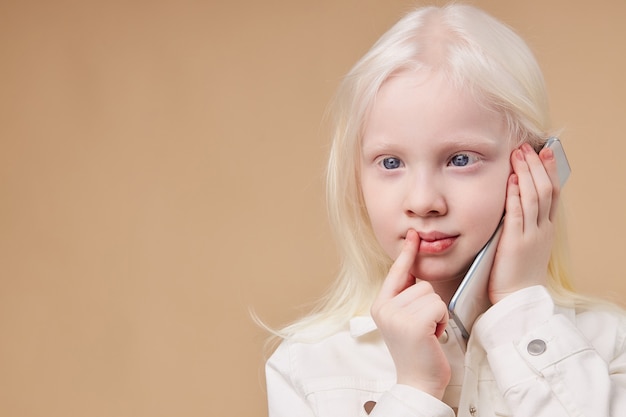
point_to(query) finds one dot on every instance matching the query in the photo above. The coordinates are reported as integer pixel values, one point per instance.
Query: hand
(529, 223)
(411, 317)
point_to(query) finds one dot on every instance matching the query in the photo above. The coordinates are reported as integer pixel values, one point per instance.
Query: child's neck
(446, 289)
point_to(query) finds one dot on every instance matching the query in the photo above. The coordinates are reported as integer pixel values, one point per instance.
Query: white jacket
(525, 358)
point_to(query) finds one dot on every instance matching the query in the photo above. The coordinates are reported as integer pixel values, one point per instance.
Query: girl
(436, 135)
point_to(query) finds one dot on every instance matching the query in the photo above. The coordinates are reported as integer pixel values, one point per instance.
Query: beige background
(161, 173)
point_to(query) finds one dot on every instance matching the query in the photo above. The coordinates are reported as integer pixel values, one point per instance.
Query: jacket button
(472, 410)
(369, 406)
(536, 347)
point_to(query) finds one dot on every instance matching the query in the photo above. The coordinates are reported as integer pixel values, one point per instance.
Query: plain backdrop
(161, 177)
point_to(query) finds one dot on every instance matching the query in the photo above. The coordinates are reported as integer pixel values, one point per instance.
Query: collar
(361, 325)
(568, 312)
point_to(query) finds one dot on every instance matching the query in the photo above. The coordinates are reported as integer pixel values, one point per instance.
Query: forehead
(423, 104)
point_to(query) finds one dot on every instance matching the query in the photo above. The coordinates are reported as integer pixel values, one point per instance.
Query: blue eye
(391, 163)
(460, 160)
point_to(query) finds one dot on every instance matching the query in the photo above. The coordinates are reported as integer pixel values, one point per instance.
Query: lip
(435, 242)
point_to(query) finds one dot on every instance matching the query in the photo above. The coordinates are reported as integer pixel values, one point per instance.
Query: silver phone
(471, 299)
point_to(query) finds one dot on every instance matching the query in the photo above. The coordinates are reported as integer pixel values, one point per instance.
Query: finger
(399, 277)
(542, 180)
(442, 323)
(433, 312)
(414, 292)
(549, 162)
(437, 313)
(421, 302)
(514, 218)
(529, 200)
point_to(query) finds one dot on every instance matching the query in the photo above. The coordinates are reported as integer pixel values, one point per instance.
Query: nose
(425, 197)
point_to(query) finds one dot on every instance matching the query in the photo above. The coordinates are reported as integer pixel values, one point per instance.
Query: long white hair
(475, 52)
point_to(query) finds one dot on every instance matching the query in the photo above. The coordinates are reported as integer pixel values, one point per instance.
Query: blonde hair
(475, 52)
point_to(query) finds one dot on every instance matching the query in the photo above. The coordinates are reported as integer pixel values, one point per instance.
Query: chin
(445, 274)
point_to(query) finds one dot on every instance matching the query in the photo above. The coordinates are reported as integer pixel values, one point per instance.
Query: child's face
(435, 161)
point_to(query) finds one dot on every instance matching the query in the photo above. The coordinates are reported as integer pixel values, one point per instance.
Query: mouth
(435, 242)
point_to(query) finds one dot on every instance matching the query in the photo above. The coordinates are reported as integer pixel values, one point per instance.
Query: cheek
(488, 212)
(486, 209)
(382, 214)
(377, 199)
(481, 197)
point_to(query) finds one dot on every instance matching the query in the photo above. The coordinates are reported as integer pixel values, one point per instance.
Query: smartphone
(471, 299)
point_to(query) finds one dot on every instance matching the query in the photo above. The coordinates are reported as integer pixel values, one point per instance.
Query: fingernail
(519, 155)
(547, 154)
(527, 148)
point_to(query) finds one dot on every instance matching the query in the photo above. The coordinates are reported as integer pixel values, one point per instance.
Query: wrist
(497, 296)
(435, 389)
(516, 314)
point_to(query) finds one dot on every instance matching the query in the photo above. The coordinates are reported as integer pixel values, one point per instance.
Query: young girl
(437, 132)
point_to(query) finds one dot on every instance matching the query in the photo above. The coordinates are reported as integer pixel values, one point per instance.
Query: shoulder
(344, 353)
(333, 375)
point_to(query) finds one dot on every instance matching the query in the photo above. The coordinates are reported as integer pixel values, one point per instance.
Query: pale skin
(437, 173)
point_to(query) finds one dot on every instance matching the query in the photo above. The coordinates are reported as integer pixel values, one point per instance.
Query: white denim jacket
(525, 358)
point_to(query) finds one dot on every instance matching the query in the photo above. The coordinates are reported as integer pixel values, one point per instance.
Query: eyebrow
(382, 144)
(470, 141)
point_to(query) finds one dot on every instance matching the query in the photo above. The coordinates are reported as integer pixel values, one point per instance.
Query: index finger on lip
(399, 277)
